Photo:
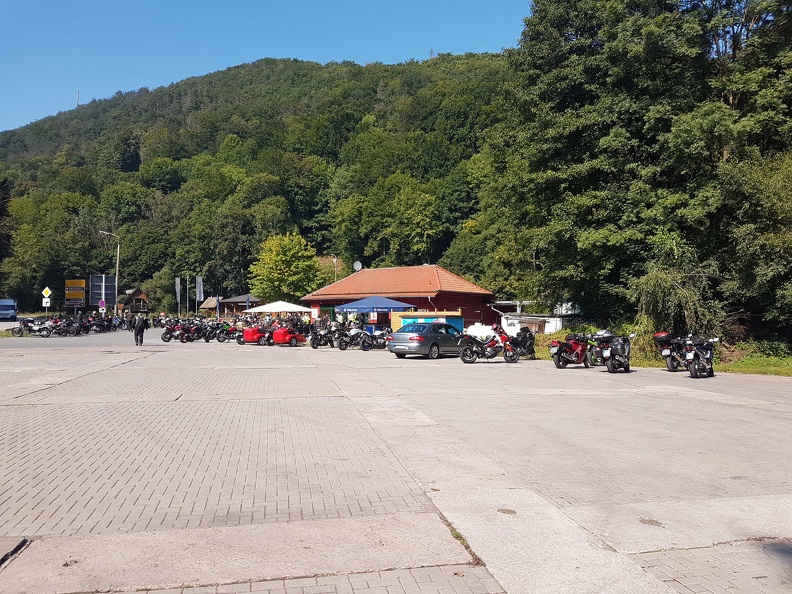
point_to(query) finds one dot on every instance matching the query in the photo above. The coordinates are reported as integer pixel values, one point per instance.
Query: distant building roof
(240, 299)
(210, 303)
(407, 281)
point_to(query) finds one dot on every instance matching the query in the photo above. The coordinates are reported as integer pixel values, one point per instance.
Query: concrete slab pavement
(192, 558)
(560, 480)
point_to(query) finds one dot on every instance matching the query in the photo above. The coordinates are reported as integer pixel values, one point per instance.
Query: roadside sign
(101, 310)
(75, 293)
(102, 305)
(46, 292)
(45, 302)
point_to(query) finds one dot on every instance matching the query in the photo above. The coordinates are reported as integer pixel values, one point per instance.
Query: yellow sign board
(74, 284)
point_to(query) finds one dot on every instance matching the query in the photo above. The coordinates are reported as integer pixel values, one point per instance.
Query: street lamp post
(118, 259)
(335, 267)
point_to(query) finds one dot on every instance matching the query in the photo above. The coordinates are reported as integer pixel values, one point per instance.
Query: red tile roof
(407, 281)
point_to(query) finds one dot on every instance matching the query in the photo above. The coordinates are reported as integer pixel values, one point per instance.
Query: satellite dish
(357, 265)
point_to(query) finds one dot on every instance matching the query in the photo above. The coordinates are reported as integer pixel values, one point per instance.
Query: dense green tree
(286, 269)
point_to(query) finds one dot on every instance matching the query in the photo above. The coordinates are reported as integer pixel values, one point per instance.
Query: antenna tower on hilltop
(78, 98)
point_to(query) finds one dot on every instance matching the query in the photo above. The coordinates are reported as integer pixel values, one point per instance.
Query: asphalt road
(221, 468)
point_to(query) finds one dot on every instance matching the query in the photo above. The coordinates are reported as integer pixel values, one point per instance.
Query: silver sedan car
(428, 339)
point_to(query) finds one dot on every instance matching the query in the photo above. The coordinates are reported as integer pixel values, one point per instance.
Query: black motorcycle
(671, 349)
(616, 353)
(322, 337)
(699, 354)
(523, 343)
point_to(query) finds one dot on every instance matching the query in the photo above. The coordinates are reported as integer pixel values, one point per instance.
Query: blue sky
(51, 48)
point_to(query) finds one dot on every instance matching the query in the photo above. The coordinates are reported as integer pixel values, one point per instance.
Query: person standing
(140, 324)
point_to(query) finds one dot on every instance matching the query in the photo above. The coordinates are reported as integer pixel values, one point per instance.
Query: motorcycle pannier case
(661, 337)
(620, 348)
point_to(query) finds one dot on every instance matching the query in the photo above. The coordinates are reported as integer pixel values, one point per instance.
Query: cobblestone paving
(742, 567)
(453, 579)
(94, 468)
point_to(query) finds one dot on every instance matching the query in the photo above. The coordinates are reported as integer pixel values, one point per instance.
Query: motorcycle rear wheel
(221, 337)
(240, 339)
(559, 361)
(468, 354)
(693, 369)
(17, 331)
(46, 332)
(671, 363)
(365, 344)
(343, 345)
(314, 343)
(611, 366)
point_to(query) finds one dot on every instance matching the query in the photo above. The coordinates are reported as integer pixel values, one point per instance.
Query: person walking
(140, 324)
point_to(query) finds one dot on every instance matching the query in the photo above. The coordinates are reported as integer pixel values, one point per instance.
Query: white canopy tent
(278, 307)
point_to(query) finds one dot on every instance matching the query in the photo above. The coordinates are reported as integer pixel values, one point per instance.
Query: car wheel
(400, 355)
(434, 351)
(293, 342)
(262, 341)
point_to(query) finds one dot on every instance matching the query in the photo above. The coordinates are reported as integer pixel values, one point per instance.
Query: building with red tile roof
(428, 288)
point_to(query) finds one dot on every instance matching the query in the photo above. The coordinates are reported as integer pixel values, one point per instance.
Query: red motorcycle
(488, 348)
(172, 329)
(573, 349)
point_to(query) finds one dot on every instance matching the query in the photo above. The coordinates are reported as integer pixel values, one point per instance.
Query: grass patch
(759, 364)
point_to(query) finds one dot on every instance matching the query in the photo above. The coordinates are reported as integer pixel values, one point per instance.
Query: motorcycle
(523, 343)
(227, 332)
(595, 344)
(614, 352)
(172, 329)
(322, 337)
(489, 348)
(32, 326)
(380, 338)
(573, 349)
(360, 338)
(671, 349)
(342, 338)
(699, 355)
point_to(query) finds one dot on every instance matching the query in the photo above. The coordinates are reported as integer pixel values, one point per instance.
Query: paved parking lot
(559, 480)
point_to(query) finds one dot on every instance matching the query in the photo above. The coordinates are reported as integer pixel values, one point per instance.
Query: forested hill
(194, 176)
(629, 156)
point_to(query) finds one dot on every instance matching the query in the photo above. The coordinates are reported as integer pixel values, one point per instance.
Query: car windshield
(413, 328)
(6, 307)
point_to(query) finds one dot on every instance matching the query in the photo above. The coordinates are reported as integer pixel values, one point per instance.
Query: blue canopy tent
(374, 304)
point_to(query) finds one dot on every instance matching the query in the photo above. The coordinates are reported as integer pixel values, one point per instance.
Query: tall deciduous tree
(286, 269)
